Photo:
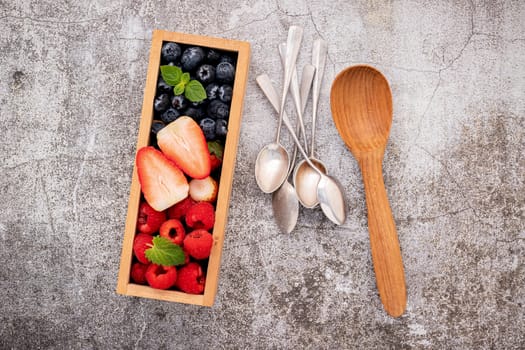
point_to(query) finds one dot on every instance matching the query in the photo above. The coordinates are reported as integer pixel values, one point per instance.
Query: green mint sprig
(164, 252)
(182, 84)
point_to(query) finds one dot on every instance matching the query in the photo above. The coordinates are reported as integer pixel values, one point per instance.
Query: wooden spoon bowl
(361, 104)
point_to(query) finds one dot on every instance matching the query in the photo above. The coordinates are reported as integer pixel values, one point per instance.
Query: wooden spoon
(361, 104)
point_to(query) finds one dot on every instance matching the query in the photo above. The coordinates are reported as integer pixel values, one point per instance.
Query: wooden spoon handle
(384, 244)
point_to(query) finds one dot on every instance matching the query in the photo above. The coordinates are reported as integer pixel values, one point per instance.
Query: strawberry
(149, 220)
(162, 182)
(142, 242)
(183, 142)
(138, 273)
(216, 151)
(178, 211)
(173, 230)
(201, 216)
(198, 244)
(161, 277)
(190, 279)
(204, 190)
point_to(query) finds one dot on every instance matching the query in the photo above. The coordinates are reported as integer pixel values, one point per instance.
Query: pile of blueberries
(215, 70)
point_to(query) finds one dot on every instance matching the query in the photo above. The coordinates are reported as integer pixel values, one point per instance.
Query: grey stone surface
(71, 81)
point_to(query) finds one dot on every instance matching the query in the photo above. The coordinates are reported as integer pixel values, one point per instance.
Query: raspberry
(173, 230)
(179, 210)
(198, 244)
(201, 216)
(138, 273)
(149, 220)
(190, 279)
(142, 242)
(161, 277)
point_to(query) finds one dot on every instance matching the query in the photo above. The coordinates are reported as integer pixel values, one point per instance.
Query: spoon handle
(384, 243)
(319, 52)
(293, 43)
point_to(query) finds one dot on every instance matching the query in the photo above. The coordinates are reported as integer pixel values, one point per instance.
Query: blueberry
(163, 87)
(156, 126)
(169, 115)
(179, 102)
(191, 58)
(225, 93)
(225, 72)
(221, 128)
(212, 91)
(213, 56)
(195, 113)
(218, 109)
(170, 52)
(228, 58)
(206, 73)
(208, 128)
(161, 102)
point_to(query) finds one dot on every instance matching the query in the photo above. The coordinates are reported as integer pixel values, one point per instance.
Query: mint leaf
(194, 91)
(185, 78)
(179, 88)
(164, 252)
(171, 74)
(215, 148)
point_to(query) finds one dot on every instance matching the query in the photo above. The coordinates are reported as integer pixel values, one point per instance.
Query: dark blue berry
(179, 102)
(169, 115)
(213, 56)
(228, 58)
(206, 73)
(191, 58)
(212, 91)
(218, 109)
(156, 126)
(195, 113)
(170, 52)
(161, 103)
(163, 87)
(225, 72)
(208, 128)
(221, 128)
(225, 93)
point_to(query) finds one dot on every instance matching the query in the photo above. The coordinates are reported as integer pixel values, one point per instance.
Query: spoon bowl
(271, 167)
(361, 104)
(305, 178)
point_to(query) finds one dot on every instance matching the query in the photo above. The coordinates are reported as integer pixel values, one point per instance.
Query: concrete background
(71, 81)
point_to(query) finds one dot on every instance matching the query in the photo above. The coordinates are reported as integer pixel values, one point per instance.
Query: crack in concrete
(41, 20)
(247, 23)
(144, 326)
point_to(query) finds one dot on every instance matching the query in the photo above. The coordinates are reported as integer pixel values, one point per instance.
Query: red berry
(138, 273)
(198, 244)
(201, 216)
(179, 210)
(161, 277)
(190, 279)
(142, 242)
(173, 230)
(149, 220)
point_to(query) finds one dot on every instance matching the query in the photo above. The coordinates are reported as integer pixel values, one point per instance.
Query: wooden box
(242, 49)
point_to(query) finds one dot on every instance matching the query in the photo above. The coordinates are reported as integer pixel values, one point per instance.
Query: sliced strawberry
(149, 220)
(178, 211)
(183, 142)
(216, 152)
(173, 230)
(161, 181)
(204, 190)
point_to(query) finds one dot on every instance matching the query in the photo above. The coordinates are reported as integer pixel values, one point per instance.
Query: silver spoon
(304, 176)
(285, 204)
(328, 190)
(273, 161)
